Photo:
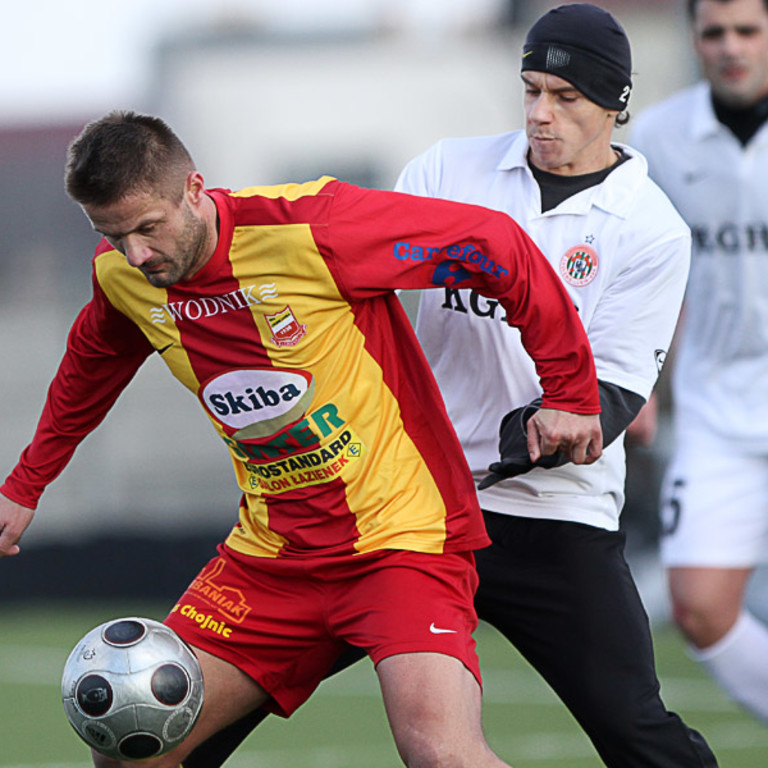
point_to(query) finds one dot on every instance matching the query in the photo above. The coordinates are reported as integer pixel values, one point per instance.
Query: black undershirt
(743, 122)
(555, 188)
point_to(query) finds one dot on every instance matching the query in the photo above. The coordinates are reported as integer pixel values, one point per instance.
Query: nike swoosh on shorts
(440, 631)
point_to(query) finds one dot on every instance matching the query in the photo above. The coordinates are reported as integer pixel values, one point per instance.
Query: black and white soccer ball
(132, 689)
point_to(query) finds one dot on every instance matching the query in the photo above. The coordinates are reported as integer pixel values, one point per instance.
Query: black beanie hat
(586, 46)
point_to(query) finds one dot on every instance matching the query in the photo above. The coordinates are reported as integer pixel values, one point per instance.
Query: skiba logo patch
(287, 331)
(579, 265)
(256, 403)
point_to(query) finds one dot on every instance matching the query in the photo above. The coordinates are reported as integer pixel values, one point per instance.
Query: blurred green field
(344, 725)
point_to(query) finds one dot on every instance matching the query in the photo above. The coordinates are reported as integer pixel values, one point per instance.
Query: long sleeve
(446, 244)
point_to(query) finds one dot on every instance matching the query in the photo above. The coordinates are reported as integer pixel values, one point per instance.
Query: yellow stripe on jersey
(288, 191)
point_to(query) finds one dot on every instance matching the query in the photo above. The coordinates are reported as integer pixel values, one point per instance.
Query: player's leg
(707, 602)
(414, 615)
(729, 642)
(714, 532)
(433, 704)
(563, 594)
(229, 695)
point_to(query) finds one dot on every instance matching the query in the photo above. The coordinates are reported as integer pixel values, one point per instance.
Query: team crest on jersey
(287, 331)
(579, 265)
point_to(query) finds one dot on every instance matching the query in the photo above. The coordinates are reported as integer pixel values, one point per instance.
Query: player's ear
(194, 187)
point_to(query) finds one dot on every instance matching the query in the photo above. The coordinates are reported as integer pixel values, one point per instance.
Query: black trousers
(563, 595)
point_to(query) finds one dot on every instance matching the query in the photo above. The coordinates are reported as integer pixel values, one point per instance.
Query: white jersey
(720, 379)
(622, 252)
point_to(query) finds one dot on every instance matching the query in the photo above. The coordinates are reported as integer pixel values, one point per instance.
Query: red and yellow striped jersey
(303, 359)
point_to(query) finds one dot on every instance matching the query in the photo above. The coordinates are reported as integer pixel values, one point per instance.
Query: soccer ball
(132, 689)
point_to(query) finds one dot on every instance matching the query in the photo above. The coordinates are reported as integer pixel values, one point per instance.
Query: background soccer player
(707, 147)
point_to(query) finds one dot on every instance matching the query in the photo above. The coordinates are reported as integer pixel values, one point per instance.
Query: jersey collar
(616, 195)
(704, 123)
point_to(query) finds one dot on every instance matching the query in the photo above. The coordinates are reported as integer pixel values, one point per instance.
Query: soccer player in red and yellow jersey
(358, 517)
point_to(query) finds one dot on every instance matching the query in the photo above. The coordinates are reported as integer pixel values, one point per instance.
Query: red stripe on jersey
(203, 332)
(202, 336)
(422, 411)
(315, 521)
(271, 211)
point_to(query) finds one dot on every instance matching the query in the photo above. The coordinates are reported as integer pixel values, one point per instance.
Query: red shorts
(284, 621)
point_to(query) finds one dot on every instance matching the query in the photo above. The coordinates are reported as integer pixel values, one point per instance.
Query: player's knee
(419, 750)
(100, 761)
(426, 750)
(698, 619)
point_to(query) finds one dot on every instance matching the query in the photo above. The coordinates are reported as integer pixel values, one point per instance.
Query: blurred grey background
(261, 91)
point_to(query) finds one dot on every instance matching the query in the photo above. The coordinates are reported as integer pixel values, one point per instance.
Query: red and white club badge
(287, 331)
(579, 265)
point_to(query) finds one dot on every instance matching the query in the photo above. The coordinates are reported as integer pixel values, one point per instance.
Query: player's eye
(712, 33)
(747, 31)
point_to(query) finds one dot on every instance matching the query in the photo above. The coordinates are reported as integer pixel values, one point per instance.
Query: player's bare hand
(579, 437)
(14, 520)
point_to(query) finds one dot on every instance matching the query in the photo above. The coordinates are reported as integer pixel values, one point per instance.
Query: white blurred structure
(421, 17)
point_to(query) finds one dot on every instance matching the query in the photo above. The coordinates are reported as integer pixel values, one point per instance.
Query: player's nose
(136, 250)
(541, 109)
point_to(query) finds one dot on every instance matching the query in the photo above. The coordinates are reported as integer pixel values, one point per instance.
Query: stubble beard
(189, 252)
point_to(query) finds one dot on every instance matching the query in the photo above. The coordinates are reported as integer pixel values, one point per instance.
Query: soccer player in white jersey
(707, 147)
(555, 581)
